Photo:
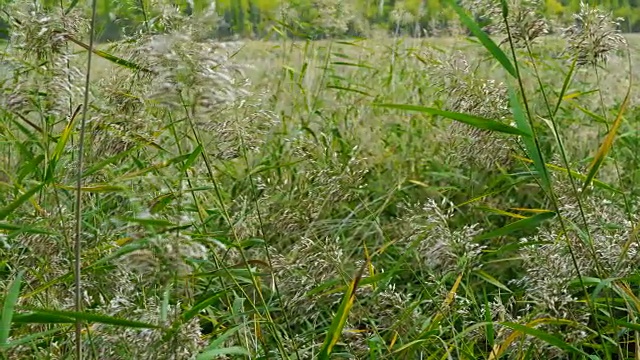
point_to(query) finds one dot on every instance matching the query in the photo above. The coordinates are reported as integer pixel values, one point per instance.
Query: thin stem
(78, 217)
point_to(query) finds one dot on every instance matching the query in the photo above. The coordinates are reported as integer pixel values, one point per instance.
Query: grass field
(272, 200)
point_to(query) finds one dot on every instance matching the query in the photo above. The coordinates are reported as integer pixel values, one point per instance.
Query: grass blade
(30, 338)
(112, 58)
(60, 146)
(607, 144)
(489, 44)
(7, 308)
(216, 353)
(491, 280)
(528, 223)
(70, 317)
(4, 212)
(333, 335)
(476, 121)
(529, 329)
(529, 142)
(546, 337)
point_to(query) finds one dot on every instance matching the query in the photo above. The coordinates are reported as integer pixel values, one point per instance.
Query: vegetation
(319, 19)
(169, 196)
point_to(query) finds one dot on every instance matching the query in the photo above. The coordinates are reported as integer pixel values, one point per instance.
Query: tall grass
(456, 198)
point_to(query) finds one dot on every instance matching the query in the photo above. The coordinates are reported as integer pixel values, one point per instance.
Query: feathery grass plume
(114, 343)
(310, 265)
(312, 194)
(401, 16)
(198, 77)
(594, 36)
(466, 92)
(166, 257)
(334, 17)
(438, 247)
(551, 285)
(525, 19)
(41, 60)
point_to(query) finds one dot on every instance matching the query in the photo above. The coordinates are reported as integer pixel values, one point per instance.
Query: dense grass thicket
(390, 198)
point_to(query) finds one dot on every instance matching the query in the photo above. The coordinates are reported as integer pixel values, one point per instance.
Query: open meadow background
(302, 179)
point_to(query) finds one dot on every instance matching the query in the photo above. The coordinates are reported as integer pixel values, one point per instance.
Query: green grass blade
(70, 317)
(607, 144)
(30, 338)
(491, 280)
(195, 309)
(565, 85)
(528, 223)
(112, 58)
(489, 44)
(223, 352)
(71, 6)
(333, 335)
(110, 160)
(476, 121)
(529, 142)
(7, 308)
(17, 229)
(60, 146)
(192, 158)
(546, 337)
(576, 175)
(4, 212)
(217, 342)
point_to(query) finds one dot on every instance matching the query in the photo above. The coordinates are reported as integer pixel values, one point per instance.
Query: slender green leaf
(607, 144)
(112, 58)
(195, 309)
(192, 158)
(110, 160)
(476, 121)
(221, 339)
(70, 317)
(7, 210)
(71, 7)
(546, 337)
(17, 229)
(60, 146)
(529, 142)
(491, 280)
(149, 221)
(216, 353)
(32, 337)
(528, 223)
(489, 44)
(340, 318)
(10, 301)
(565, 85)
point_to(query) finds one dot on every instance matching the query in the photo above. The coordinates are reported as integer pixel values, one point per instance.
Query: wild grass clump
(301, 200)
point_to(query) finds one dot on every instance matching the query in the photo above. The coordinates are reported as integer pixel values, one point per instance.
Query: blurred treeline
(314, 18)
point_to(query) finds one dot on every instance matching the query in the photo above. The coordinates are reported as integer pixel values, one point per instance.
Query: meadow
(380, 198)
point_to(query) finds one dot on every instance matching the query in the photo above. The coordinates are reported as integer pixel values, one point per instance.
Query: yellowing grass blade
(60, 146)
(607, 144)
(502, 212)
(527, 223)
(575, 174)
(529, 329)
(340, 318)
(451, 296)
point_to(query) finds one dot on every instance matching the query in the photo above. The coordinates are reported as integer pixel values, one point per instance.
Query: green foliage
(315, 19)
(392, 197)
